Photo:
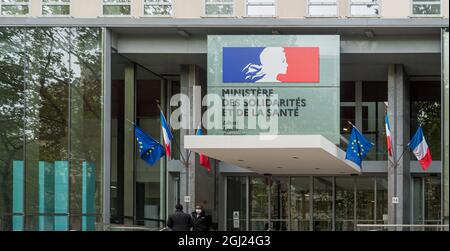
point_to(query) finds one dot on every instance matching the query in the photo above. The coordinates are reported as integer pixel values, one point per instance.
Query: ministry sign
(299, 75)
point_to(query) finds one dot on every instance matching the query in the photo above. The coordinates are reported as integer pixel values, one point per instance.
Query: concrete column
(399, 119)
(188, 79)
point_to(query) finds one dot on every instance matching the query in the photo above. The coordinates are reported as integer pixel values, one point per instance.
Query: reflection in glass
(58, 104)
(426, 112)
(432, 199)
(345, 201)
(426, 7)
(15, 7)
(279, 204)
(258, 204)
(158, 7)
(365, 200)
(219, 7)
(300, 203)
(382, 200)
(323, 204)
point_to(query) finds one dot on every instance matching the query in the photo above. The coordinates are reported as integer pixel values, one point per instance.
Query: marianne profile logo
(271, 64)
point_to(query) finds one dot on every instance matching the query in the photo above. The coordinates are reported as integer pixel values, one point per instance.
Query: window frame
(274, 4)
(233, 4)
(60, 3)
(130, 3)
(15, 4)
(336, 3)
(350, 4)
(412, 3)
(159, 2)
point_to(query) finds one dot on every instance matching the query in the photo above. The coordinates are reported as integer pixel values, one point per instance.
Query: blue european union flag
(357, 147)
(149, 149)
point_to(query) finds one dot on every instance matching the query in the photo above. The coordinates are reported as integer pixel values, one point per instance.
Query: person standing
(201, 221)
(179, 221)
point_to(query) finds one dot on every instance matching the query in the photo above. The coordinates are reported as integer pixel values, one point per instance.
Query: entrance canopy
(280, 154)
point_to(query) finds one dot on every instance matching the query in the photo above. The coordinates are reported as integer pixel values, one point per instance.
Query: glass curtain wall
(51, 128)
(308, 203)
(137, 189)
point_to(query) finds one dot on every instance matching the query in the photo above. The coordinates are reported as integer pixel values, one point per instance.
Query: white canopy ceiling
(278, 154)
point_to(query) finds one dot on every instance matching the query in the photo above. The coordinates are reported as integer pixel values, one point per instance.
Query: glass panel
(323, 204)
(11, 10)
(417, 200)
(158, 10)
(219, 9)
(382, 200)
(158, 7)
(149, 209)
(279, 204)
(427, 9)
(365, 200)
(236, 203)
(48, 112)
(432, 200)
(300, 204)
(365, 10)
(345, 203)
(426, 111)
(117, 10)
(323, 10)
(12, 109)
(258, 204)
(374, 97)
(86, 108)
(55, 10)
(261, 10)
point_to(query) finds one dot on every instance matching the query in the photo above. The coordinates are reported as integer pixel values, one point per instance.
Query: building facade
(76, 74)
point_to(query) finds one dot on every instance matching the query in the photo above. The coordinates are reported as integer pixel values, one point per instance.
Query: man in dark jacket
(201, 221)
(179, 221)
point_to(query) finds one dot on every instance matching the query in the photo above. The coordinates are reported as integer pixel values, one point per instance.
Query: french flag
(204, 160)
(167, 135)
(270, 64)
(388, 137)
(419, 147)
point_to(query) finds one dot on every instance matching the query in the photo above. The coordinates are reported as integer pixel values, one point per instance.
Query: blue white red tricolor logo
(271, 64)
